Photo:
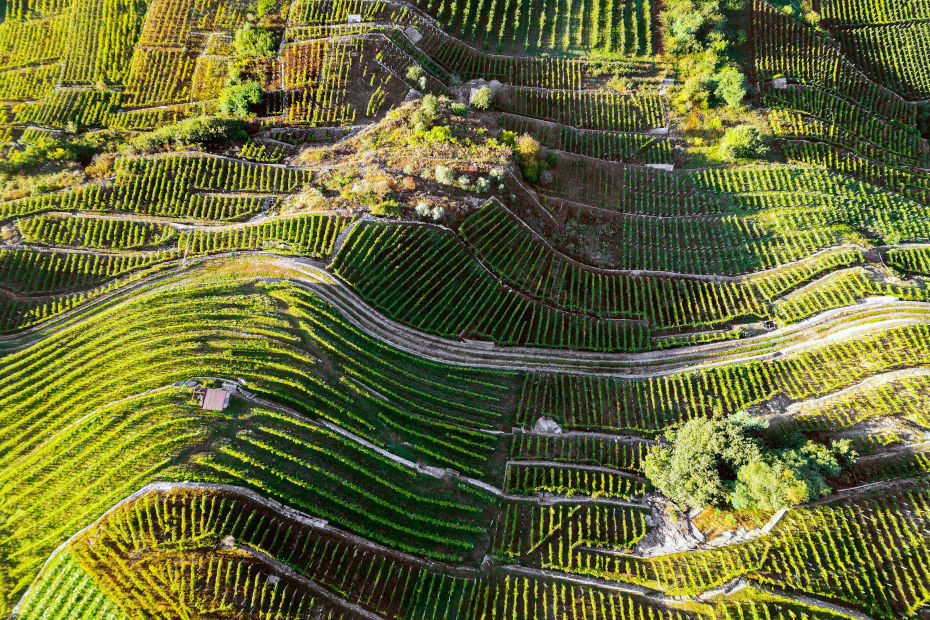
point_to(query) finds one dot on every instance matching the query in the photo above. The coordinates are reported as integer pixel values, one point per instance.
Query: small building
(780, 83)
(355, 18)
(214, 400)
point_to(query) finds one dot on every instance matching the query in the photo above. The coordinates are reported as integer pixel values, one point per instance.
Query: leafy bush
(527, 150)
(238, 99)
(527, 147)
(387, 208)
(481, 98)
(254, 42)
(725, 462)
(444, 175)
(416, 74)
(263, 7)
(199, 130)
(430, 105)
(424, 118)
(731, 86)
(426, 212)
(742, 142)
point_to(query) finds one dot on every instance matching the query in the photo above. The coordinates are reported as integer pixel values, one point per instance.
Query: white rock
(545, 424)
(666, 167)
(413, 34)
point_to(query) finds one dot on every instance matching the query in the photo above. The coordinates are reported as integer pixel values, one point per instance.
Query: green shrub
(428, 113)
(444, 175)
(923, 119)
(742, 142)
(254, 42)
(199, 130)
(430, 105)
(263, 7)
(238, 99)
(481, 98)
(386, 208)
(731, 86)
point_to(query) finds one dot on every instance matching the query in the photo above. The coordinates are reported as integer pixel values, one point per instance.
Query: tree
(481, 98)
(731, 86)
(238, 99)
(254, 42)
(720, 462)
(742, 142)
(690, 471)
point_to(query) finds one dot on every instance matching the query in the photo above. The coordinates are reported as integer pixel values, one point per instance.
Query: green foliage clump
(417, 75)
(39, 151)
(444, 175)
(428, 113)
(703, 46)
(425, 123)
(199, 130)
(430, 106)
(239, 99)
(481, 98)
(726, 463)
(386, 208)
(730, 86)
(435, 134)
(263, 7)
(254, 42)
(743, 142)
(528, 153)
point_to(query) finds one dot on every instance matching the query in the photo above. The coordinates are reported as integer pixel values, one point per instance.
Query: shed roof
(215, 400)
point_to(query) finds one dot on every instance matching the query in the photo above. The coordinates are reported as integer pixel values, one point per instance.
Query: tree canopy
(743, 142)
(254, 42)
(726, 463)
(238, 99)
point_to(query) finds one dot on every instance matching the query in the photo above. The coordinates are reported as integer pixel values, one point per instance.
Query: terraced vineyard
(393, 309)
